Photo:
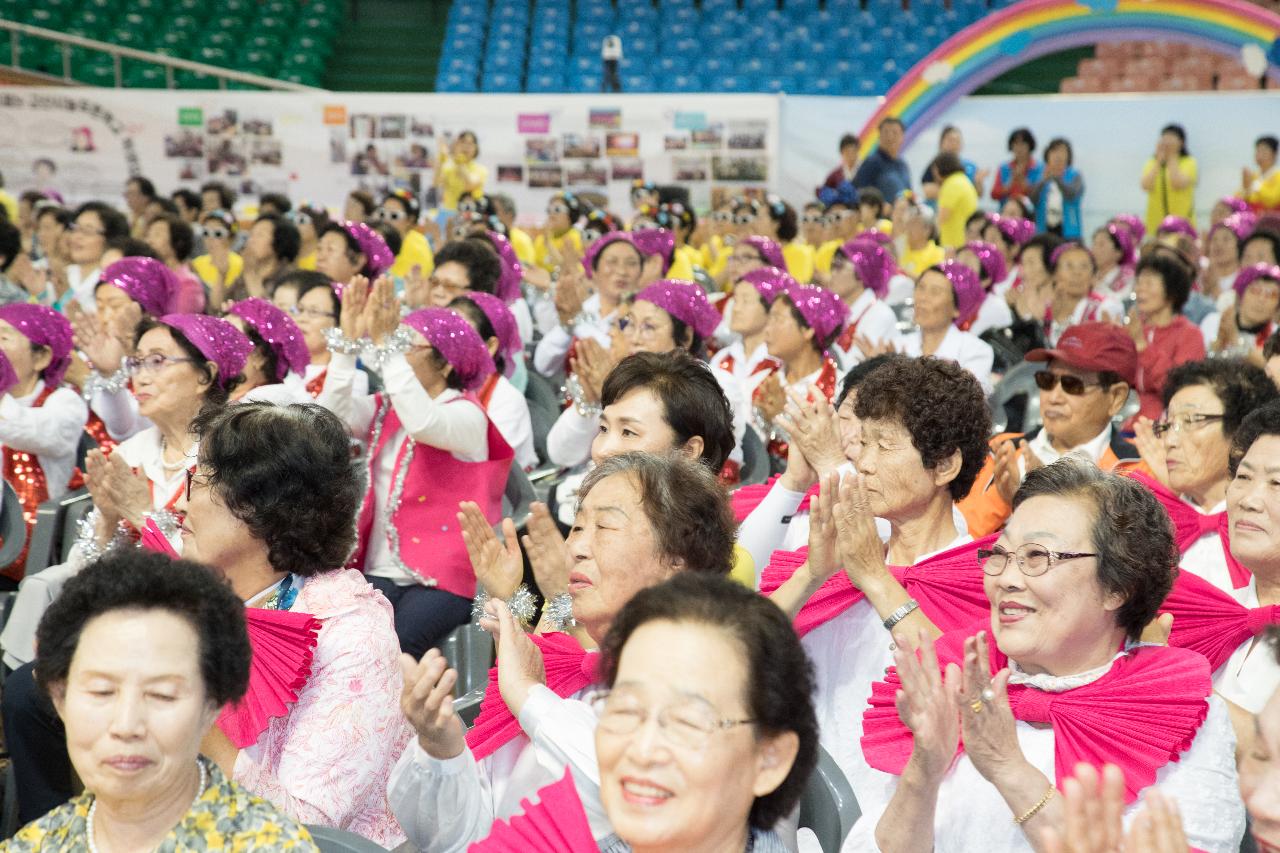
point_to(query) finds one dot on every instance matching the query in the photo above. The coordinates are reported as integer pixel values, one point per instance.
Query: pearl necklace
(88, 823)
(171, 466)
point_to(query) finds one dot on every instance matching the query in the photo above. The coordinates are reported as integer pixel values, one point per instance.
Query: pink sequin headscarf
(459, 344)
(512, 273)
(770, 251)
(1235, 205)
(1123, 238)
(823, 311)
(146, 281)
(504, 325)
(1177, 225)
(377, 253)
(1239, 224)
(1070, 246)
(8, 376)
(1016, 230)
(592, 255)
(685, 301)
(219, 341)
(769, 282)
(44, 327)
(872, 263)
(279, 331)
(1133, 224)
(656, 241)
(1244, 278)
(990, 259)
(966, 288)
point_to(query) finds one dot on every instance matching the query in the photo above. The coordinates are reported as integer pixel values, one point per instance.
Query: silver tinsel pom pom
(522, 604)
(559, 612)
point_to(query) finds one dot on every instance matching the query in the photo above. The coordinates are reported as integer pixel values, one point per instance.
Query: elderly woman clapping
(138, 655)
(1078, 572)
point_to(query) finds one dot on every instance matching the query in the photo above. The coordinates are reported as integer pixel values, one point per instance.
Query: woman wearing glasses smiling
(1186, 458)
(1056, 676)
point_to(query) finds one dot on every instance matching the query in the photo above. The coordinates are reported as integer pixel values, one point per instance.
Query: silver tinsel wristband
(559, 612)
(522, 605)
(339, 343)
(398, 342)
(113, 384)
(573, 390)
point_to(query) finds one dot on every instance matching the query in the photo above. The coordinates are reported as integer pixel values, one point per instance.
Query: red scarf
(1189, 524)
(569, 668)
(845, 341)
(948, 586)
(1208, 621)
(826, 383)
(316, 383)
(1141, 715)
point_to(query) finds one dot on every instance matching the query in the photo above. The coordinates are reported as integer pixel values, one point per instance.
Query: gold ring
(976, 706)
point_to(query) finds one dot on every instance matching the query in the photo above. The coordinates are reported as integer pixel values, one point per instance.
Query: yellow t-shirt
(686, 258)
(541, 256)
(522, 243)
(10, 204)
(799, 258)
(307, 262)
(205, 270)
(914, 263)
(823, 255)
(455, 176)
(1180, 202)
(959, 199)
(744, 568)
(414, 251)
(1265, 193)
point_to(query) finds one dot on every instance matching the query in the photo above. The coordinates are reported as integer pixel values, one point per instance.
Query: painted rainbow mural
(1033, 28)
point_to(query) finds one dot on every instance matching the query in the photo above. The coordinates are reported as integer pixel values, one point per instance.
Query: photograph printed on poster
(418, 156)
(422, 127)
(224, 123)
(628, 169)
(541, 149)
(753, 168)
(708, 138)
(266, 152)
(369, 161)
(226, 157)
(337, 145)
(585, 173)
(363, 126)
(255, 126)
(688, 169)
(620, 144)
(604, 118)
(675, 142)
(184, 143)
(747, 135)
(581, 146)
(546, 177)
(82, 140)
(392, 126)
(510, 174)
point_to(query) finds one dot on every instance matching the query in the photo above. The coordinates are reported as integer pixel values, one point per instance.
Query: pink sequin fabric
(218, 340)
(823, 311)
(279, 331)
(377, 253)
(769, 282)
(147, 282)
(44, 327)
(512, 272)
(872, 263)
(685, 301)
(456, 341)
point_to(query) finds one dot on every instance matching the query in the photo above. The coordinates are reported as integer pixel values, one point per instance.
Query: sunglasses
(298, 218)
(813, 219)
(553, 209)
(384, 215)
(215, 233)
(1073, 385)
(743, 219)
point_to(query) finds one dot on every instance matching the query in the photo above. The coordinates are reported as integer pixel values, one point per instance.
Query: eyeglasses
(1033, 560)
(746, 258)
(813, 219)
(311, 313)
(687, 723)
(644, 225)
(298, 218)
(451, 286)
(215, 233)
(840, 215)
(152, 363)
(642, 330)
(1184, 423)
(721, 216)
(191, 479)
(553, 209)
(1075, 386)
(743, 218)
(384, 215)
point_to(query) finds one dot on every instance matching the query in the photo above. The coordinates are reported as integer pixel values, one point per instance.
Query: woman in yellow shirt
(680, 220)
(563, 212)
(919, 249)
(957, 199)
(219, 266)
(459, 174)
(310, 220)
(400, 210)
(777, 220)
(1169, 179)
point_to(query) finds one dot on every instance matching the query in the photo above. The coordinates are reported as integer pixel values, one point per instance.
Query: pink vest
(424, 534)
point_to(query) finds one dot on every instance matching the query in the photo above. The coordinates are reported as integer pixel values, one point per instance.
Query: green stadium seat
(242, 87)
(229, 24)
(269, 42)
(39, 55)
(183, 23)
(271, 24)
(40, 16)
(220, 38)
(146, 77)
(154, 9)
(195, 80)
(97, 72)
(195, 8)
(127, 38)
(303, 77)
(211, 55)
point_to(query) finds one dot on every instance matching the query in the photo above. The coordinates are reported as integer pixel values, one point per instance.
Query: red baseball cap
(1096, 347)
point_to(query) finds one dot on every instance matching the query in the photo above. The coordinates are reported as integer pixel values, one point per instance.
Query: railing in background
(117, 53)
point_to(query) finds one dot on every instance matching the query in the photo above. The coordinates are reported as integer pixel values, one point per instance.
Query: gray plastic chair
(544, 408)
(755, 459)
(1018, 382)
(331, 840)
(47, 545)
(467, 706)
(517, 497)
(469, 650)
(13, 527)
(828, 807)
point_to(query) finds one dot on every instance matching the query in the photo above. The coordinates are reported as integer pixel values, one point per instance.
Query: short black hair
(182, 238)
(1267, 235)
(887, 120)
(1022, 134)
(226, 195)
(309, 280)
(190, 198)
(1262, 421)
(692, 400)
(134, 579)
(848, 139)
(407, 200)
(1046, 242)
(1180, 132)
(871, 196)
(131, 247)
(279, 201)
(858, 374)
(10, 244)
(287, 473)
(478, 257)
(145, 186)
(114, 223)
(365, 200)
(947, 164)
(1241, 387)
(942, 407)
(286, 242)
(779, 683)
(163, 205)
(219, 387)
(1131, 532)
(389, 235)
(503, 203)
(1060, 142)
(1175, 276)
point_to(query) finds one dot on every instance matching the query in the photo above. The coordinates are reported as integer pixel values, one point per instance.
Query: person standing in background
(1261, 189)
(1056, 192)
(1169, 179)
(1013, 179)
(884, 169)
(848, 168)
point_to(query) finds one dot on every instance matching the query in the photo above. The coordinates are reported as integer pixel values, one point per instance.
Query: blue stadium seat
(584, 63)
(733, 83)
(799, 67)
(586, 82)
(685, 83)
(678, 15)
(549, 46)
(867, 86)
(465, 29)
(503, 62)
(455, 82)
(672, 64)
(633, 27)
(545, 83)
(509, 29)
(815, 85)
(639, 46)
(542, 63)
(639, 83)
(500, 82)
(680, 46)
(461, 64)
(714, 66)
(780, 83)
(597, 14)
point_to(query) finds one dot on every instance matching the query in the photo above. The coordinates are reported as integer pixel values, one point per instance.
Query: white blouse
(51, 432)
(971, 815)
(443, 806)
(1251, 674)
(964, 348)
(1207, 560)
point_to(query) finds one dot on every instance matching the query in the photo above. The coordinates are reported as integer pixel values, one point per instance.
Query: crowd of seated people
(928, 486)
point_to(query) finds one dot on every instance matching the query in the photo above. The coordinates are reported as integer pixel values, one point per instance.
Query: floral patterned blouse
(226, 817)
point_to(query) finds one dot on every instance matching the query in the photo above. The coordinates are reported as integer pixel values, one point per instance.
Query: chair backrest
(755, 459)
(47, 547)
(469, 650)
(467, 706)
(13, 527)
(331, 840)
(518, 496)
(544, 409)
(828, 807)
(76, 511)
(1008, 412)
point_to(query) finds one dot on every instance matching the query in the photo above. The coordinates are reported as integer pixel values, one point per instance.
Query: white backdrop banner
(317, 147)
